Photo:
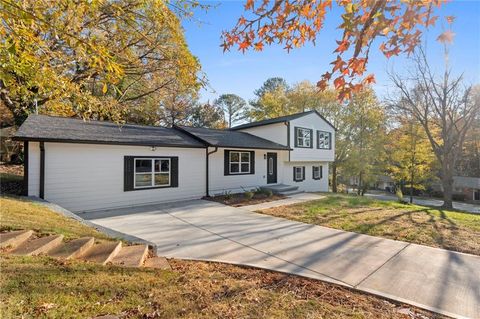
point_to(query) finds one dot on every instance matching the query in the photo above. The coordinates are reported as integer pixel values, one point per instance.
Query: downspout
(207, 170)
(288, 138)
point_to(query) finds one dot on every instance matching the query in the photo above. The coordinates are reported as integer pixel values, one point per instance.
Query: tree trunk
(360, 184)
(447, 183)
(334, 177)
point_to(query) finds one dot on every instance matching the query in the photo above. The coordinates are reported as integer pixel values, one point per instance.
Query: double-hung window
(303, 137)
(324, 140)
(152, 172)
(239, 162)
(316, 172)
(298, 173)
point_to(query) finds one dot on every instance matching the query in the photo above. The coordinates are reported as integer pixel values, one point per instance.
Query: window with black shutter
(141, 172)
(239, 162)
(298, 173)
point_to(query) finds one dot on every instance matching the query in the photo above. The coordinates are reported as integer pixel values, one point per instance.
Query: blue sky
(241, 74)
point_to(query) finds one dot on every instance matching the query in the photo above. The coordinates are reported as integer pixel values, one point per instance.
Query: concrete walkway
(434, 279)
(290, 200)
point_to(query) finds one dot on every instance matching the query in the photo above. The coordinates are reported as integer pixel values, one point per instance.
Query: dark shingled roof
(70, 130)
(285, 118)
(226, 138)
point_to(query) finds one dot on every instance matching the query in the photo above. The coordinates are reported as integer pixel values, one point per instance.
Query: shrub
(248, 194)
(268, 192)
(227, 194)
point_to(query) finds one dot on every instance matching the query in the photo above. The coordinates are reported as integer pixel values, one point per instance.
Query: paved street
(470, 208)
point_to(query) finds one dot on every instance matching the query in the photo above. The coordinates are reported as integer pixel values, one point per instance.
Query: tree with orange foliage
(292, 23)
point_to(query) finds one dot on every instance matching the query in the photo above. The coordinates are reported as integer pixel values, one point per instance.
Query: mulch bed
(239, 200)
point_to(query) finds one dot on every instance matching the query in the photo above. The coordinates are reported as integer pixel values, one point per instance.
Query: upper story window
(324, 140)
(239, 162)
(303, 137)
(151, 172)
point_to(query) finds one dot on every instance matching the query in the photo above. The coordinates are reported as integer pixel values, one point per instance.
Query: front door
(271, 168)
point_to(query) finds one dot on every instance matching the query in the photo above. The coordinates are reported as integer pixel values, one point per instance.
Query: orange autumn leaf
(291, 24)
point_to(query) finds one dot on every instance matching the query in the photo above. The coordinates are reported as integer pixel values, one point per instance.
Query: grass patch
(451, 230)
(7, 177)
(36, 287)
(23, 214)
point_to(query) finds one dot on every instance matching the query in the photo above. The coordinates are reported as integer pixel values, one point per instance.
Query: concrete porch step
(277, 189)
(102, 253)
(14, 238)
(72, 249)
(131, 256)
(38, 246)
(290, 193)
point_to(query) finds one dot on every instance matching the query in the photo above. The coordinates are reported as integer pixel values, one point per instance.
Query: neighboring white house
(91, 165)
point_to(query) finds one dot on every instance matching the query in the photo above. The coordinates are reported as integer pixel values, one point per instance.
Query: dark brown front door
(271, 168)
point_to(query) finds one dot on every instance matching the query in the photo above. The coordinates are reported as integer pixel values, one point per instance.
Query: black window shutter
(313, 172)
(303, 175)
(226, 163)
(252, 162)
(296, 136)
(174, 171)
(321, 171)
(128, 171)
(312, 140)
(294, 176)
(329, 141)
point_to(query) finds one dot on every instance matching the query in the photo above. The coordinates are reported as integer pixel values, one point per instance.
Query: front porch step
(278, 189)
(131, 256)
(290, 193)
(102, 253)
(72, 249)
(14, 238)
(38, 246)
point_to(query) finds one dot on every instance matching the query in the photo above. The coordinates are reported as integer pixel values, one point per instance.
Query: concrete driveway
(435, 279)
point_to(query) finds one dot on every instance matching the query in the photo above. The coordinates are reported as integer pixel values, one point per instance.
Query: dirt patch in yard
(239, 200)
(421, 225)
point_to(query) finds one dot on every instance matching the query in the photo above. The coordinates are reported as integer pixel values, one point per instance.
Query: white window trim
(152, 173)
(329, 140)
(239, 163)
(297, 168)
(302, 138)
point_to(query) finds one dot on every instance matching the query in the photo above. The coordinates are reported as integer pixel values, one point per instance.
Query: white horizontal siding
(273, 132)
(314, 122)
(33, 168)
(83, 177)
(219, 183)
(309, 184)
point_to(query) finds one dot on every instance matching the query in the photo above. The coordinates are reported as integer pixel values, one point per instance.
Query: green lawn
(24, 214)
(412, 223)
(41, 287)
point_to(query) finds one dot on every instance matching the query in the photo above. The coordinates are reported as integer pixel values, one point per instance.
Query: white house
(91, 165)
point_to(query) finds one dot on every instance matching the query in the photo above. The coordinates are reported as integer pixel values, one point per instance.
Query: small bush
(268, 192)
(248, 194)
(227, 195)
